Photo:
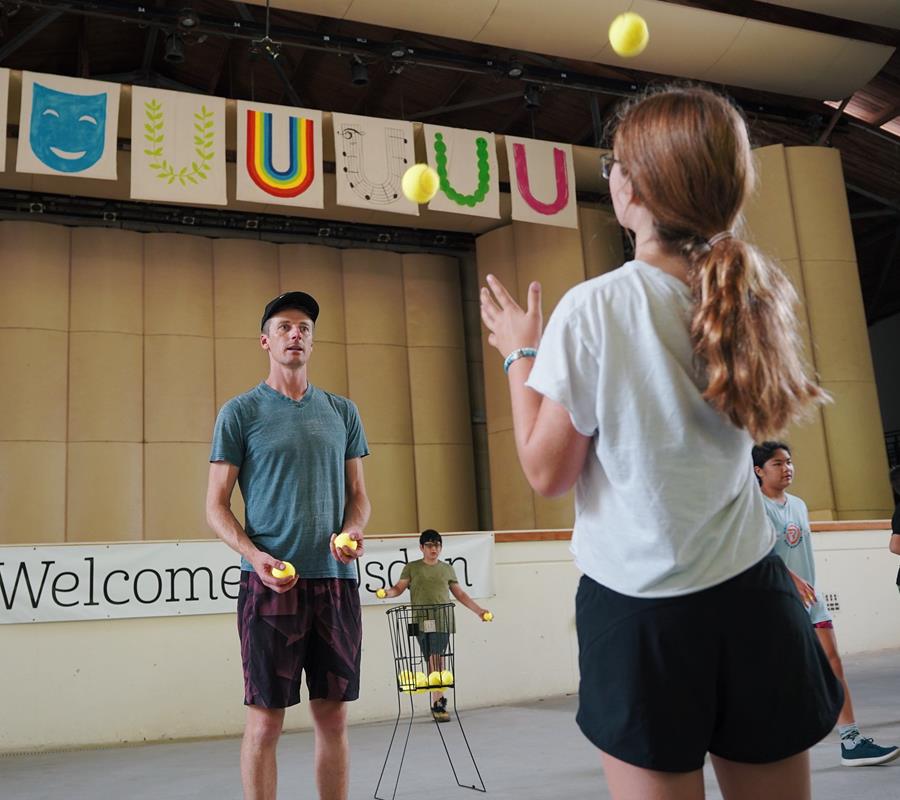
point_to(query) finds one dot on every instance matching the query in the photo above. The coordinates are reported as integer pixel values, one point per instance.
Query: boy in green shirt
(428, 580)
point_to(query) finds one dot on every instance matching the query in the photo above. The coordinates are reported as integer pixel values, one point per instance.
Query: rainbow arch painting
(280, 155)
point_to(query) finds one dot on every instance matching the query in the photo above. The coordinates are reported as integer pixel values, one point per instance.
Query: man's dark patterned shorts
(315, 628)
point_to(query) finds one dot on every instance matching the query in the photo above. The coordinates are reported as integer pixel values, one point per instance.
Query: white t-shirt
(667, 502)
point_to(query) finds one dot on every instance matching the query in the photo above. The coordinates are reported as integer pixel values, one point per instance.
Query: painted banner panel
(4, 101)
(177, 147)
(466, 163)
(68, 126)
(542, 182)
(67, 583)
(279, 155)
(370, 157)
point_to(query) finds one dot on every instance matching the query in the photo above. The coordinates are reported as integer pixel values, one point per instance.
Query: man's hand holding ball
(347, 546)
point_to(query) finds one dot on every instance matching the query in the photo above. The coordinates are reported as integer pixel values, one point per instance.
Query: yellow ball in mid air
(420, 183)
(344, 540)
(628, 34)
(287, 572)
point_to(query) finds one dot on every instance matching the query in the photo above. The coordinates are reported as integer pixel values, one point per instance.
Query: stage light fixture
(359, 72)
(515, 69)
(532, 96)
(174, 51)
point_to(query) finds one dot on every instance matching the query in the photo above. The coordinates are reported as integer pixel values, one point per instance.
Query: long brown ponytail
(687, 154)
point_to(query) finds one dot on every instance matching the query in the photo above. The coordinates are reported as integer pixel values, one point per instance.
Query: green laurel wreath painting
(204, 135)
(484, 172)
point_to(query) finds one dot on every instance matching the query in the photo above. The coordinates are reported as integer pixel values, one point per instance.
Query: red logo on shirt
(793, 534)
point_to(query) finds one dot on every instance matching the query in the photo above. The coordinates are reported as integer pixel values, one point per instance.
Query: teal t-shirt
(793, 542)
(291, 458)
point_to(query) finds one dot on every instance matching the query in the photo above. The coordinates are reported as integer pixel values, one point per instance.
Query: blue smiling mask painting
(68, 131)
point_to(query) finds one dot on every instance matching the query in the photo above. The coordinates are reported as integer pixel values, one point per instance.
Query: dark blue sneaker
(865, 753)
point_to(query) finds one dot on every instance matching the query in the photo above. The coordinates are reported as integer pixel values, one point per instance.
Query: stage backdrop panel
(177, 147)
(466, 162)
(67, 126)
(541, 182)
(370, 157)
(279, 155)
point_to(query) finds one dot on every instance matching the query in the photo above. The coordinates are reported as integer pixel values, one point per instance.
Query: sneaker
(865, 753)
(439, 711)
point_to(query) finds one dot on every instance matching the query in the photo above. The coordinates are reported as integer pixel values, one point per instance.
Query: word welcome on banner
(68, 127)
(67, 583)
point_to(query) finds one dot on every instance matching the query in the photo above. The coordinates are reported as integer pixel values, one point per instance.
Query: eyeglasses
(606, 164)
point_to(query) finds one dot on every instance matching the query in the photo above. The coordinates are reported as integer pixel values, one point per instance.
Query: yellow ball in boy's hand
(487, 616)
(287, 572)
(446, 677)
(628, 34)
(434, 679)
(344, 540)
(421, 680)
(420, 183)
(380, 594)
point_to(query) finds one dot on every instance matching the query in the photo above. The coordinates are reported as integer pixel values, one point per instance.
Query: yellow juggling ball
(420, 183)
(628, 34)
(287, 572)
(344, 540)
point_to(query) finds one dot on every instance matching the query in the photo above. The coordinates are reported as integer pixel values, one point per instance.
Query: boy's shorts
(735, 670)
(433, 644)
(315, 628)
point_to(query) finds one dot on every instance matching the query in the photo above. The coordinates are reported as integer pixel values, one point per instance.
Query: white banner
(159, 579)
(4, 99)
(177, 147)
(370, 157)
(466, 163)
(279, 155)
(542, 182)
(68, 126)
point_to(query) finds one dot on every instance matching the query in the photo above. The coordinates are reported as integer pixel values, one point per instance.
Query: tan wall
(117, 348)
(800, 216)
(66, 683)
(559, 258)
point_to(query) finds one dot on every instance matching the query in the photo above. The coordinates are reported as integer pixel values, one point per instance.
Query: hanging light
(359, 72)
(174, 48)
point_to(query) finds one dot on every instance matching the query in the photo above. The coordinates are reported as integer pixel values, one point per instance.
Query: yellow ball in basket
(421, 680)
(420, 183)
(487, 616)
(344, 540)
(446, 677)
(407, 679)
(628, 34)
(287, 572)
(434, 679)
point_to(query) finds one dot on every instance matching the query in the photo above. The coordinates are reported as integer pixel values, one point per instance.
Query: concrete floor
(525, 752)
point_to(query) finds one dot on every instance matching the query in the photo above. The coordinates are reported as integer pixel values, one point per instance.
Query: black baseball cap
(299, 300)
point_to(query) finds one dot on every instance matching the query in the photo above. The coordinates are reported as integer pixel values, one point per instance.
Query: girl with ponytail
(645, 393)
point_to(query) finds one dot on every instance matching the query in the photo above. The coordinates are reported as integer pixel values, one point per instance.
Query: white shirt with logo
(667, 502)
(793, 542)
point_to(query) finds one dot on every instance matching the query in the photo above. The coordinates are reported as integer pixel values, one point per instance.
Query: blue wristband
(515, 355)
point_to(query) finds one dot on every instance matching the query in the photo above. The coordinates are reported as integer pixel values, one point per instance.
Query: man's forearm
(356, 512)
(226, 526)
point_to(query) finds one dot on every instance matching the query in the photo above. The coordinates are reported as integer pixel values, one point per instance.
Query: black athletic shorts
(315, 628)
(735, 670)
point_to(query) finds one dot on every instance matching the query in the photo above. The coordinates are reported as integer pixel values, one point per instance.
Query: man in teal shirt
(296, 451)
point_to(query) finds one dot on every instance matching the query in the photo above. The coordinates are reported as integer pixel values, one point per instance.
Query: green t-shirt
(429, 585)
